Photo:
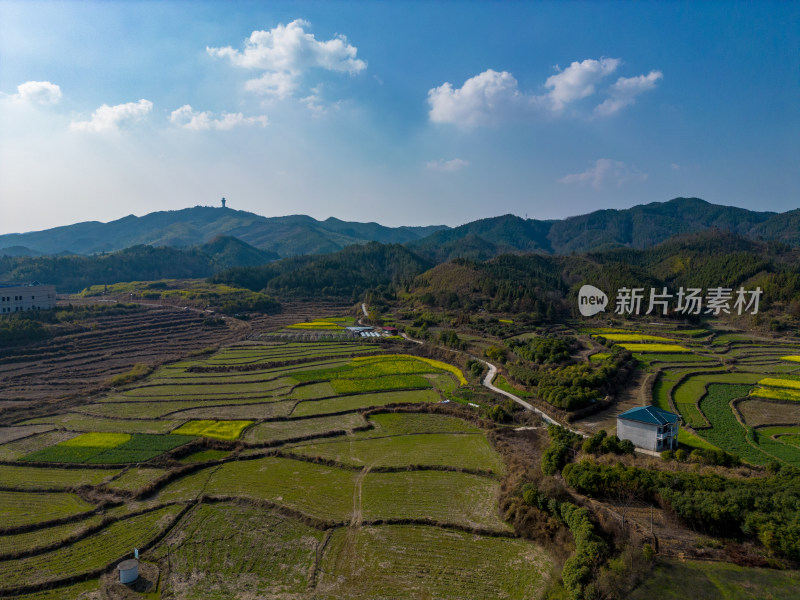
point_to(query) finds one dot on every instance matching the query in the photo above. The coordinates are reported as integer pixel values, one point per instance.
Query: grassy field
(385, 562)
(272, 431)
(270, 559)
(445, 497)
(690, 391)
(673, 580)
(45, 478)
(135, 478)
(726, 432)
(45, 536)
(81, 422)
(406, 423)
(359, 401)
(84, 556)
(86, 590)
(25, 508)
(463, 451)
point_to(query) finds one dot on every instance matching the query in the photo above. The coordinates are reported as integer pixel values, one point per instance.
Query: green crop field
(356, 402)
(688, 393)
(317, 490)
(385, 562)
(46, 478)
(445, 497)
(85, 590)
(138, 447)
(205, 455)
(405, 423)
(726, 432)
(25, 508)
(16, 449)
(84, 556)
(135, 478)
(270, 559)
(80, 422)
(45, 536)
(463, 451)
(271, 431)
(679, 580)
(389, 382)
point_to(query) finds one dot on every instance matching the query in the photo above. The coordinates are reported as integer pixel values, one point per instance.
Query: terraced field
(728, 383)
(271, 469)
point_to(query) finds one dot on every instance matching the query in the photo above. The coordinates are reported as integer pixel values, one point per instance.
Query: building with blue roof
(649, 427)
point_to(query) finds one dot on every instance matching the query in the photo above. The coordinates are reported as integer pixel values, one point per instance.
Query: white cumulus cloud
(187, 118)
(484, 99)
(455, 164)
(38, 92)
(605, 172)
(109, 118)
(578, 80)
(285, 52)
(494, 96)
(625, 90)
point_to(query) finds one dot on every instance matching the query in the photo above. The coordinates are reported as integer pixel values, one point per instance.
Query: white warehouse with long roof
(16, 297)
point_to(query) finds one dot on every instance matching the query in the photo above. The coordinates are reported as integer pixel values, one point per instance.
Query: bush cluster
(761, 508)
(602, 443)
(562, 442)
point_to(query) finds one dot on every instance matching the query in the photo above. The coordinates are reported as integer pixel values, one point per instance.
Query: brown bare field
(37, 379)
(757, 412)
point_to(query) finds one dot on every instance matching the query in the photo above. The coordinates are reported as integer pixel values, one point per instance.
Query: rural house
(649, 427)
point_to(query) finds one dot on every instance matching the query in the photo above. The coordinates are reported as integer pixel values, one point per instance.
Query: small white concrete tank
(128, 570)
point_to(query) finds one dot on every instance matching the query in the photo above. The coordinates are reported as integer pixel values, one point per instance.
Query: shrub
(138, 371)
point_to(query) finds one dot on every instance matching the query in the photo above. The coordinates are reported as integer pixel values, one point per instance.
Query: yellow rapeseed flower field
(663, 348)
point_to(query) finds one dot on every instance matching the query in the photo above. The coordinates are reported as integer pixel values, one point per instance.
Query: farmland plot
(264, 497)
(89, 554)
(271, 431)
(26, 508)
(462, 451)
(444, 497)
(45, 478)
(385, 562)
(271, 557)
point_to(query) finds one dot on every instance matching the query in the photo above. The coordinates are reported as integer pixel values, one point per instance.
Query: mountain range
(639, 227)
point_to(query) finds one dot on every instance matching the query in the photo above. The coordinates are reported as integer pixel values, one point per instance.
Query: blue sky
(405, 113)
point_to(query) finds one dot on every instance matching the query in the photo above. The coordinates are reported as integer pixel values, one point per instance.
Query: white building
(20, 297)
(649, 427)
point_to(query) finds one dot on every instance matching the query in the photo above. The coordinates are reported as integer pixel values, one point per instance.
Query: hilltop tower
(223, 203)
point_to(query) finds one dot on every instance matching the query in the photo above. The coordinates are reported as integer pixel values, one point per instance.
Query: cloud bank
(110, 118)
(187, 118)
(38, 92)
(455, 164)
(605, 172)
(285, 52)
(493, 97)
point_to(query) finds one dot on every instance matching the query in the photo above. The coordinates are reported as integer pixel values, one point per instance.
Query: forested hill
(138, 263)
(345, 274)
(534, 282)
(638, 227)
(286, 236)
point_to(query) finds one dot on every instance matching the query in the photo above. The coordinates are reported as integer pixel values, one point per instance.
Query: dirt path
(632, 396)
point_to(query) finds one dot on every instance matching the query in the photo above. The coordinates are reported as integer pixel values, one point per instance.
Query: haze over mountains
(638, 227)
